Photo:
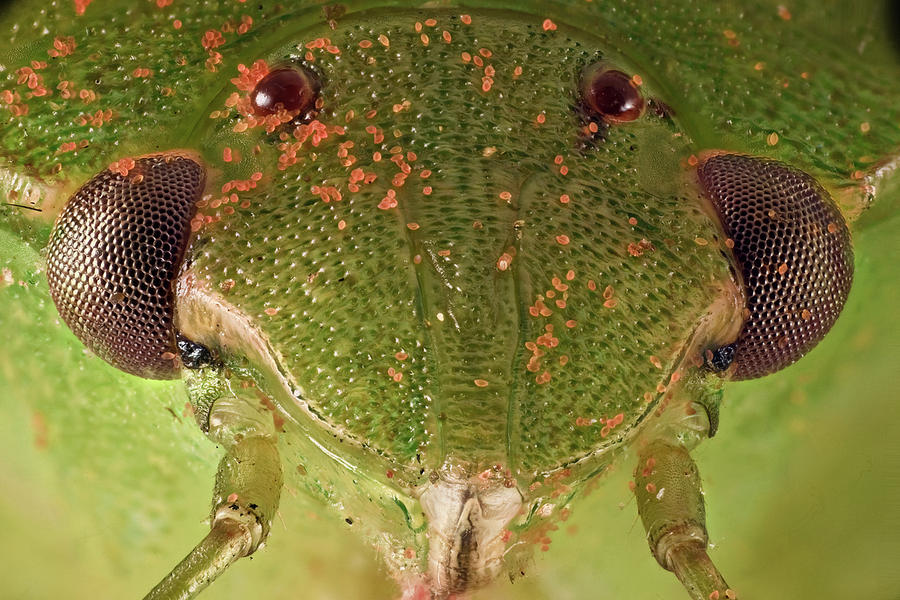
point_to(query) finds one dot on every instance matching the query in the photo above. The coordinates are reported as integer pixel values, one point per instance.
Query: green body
(338, 303)
(357, 304)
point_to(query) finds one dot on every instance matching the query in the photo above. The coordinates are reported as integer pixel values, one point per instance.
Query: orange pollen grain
(562, 240)
(81, 6)
(548, 25)
(389, 201)
(481, 383)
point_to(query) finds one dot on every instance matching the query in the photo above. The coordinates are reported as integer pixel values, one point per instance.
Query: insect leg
(670, 503)
(247, 491)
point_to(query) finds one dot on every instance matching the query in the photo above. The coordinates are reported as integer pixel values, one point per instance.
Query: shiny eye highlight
(292, 89)
(612, 95)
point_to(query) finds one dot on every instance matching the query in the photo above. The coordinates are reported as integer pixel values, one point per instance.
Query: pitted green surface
(390, 307)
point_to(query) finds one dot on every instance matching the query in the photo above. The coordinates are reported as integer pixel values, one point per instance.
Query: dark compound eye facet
(612, 95)
(114, 254)
(291, 89)
(793, 249)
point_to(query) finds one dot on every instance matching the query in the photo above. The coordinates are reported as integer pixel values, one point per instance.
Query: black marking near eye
(611, 95)
(721, 358)
(24, 207)
(793, 249)
(660, 108)
(193, 355)
(294, 90)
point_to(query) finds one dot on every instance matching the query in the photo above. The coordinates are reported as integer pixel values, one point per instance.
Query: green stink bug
(650, 152)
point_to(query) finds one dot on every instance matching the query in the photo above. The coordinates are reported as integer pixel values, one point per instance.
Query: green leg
(248, 487)
(667, 486)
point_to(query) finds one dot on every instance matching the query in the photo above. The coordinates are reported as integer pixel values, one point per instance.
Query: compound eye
(793, 249)
(292, 89)
(114, 254)
(612, 95)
